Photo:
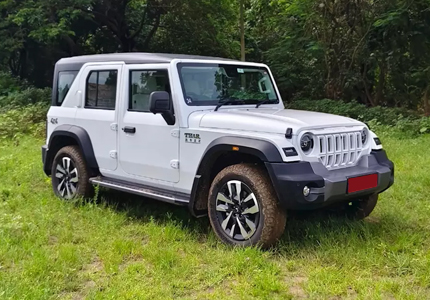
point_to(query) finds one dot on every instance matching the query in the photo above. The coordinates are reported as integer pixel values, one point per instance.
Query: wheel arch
(66, 135)
(224, 152)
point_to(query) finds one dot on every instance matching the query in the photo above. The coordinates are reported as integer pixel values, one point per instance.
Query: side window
(101, 89)
(142, 84)
(65, 81)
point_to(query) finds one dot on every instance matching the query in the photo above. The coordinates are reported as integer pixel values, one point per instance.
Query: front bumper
(327, 187)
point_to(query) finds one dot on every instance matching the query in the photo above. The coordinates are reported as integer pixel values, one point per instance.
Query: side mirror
(160, 103)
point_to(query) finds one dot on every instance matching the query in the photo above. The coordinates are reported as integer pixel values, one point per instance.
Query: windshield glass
(210, 84)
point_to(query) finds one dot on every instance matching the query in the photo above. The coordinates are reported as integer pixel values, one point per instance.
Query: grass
(125, 247)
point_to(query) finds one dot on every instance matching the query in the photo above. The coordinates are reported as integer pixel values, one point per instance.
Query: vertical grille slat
(339, 150)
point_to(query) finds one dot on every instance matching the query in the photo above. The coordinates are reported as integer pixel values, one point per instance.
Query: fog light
(306, 191)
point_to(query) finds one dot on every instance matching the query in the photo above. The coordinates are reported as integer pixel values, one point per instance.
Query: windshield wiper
(263, 102)
(229, 101)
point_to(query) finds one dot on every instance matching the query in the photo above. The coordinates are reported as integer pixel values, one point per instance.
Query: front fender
(264, 150)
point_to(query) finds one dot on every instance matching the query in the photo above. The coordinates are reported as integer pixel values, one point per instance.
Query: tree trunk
(127, 44)
(242, 31)
(379, 97)
(426, 101)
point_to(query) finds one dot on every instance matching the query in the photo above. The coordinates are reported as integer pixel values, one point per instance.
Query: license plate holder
(362, 183)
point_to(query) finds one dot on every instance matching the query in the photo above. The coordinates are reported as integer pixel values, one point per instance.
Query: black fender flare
(264, 150)
(82, 139)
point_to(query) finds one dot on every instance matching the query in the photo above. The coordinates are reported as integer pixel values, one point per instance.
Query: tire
(362, 208)
(70, 174)
(357, 209)
(253, 218)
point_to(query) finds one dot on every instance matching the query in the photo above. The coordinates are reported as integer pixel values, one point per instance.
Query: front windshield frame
(214, 102)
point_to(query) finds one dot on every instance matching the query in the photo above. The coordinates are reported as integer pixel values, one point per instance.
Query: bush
(396, 120)
(10, 84)
(384, 115)
(23, 120)
(15, 93)
(30, 95)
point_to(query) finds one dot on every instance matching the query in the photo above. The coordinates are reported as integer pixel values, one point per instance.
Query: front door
(148, 147)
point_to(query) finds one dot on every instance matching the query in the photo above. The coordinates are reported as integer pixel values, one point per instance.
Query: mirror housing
(160, 103)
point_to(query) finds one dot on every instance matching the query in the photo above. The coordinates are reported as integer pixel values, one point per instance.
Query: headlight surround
(307, 143)
(364, 136)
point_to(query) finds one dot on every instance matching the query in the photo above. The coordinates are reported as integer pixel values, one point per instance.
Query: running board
(145, 191)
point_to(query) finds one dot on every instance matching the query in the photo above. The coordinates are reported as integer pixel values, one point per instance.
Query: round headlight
(306, 143)
(364, 136)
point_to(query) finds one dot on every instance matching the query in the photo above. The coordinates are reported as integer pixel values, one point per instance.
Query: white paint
(159, 155)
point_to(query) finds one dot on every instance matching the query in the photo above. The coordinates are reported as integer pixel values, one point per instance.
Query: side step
(141, 190)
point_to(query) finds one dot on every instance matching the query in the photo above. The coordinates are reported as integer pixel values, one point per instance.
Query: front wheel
(243, 207)
(70, 175)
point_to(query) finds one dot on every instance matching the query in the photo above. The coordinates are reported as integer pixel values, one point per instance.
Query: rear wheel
(243, 207)
(70, 175)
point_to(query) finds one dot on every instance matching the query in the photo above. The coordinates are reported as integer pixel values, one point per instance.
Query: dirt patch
(52, 240)
(134, 259)
(94, 267)
(81, 294)
(89, 285)
(295, 286)
(71, 296)
(77, 296)
(352, 294)
(373, 220)
(388, 296)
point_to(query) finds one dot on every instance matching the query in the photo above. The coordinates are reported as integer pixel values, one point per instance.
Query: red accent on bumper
(362, 183)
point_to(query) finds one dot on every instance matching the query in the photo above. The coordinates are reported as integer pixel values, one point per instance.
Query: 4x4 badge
(54, 121)
(192, 138)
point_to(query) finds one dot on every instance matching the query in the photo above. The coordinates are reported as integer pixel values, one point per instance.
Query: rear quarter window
(65, 81)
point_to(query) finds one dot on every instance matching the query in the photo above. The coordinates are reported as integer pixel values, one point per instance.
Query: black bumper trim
(327, 187)
(44, 155)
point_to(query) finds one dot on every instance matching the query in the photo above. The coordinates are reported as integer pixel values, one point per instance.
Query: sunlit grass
(126, 247)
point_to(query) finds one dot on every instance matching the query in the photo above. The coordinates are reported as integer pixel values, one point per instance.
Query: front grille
(339, 150)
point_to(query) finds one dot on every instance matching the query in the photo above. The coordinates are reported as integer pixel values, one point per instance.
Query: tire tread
(274, 215)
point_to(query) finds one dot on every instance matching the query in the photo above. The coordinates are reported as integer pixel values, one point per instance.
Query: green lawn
(124, 247)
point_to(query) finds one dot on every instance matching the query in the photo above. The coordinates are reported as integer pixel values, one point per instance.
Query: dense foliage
(371, 52)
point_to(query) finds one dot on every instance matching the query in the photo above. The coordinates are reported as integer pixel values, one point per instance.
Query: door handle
(129, 129)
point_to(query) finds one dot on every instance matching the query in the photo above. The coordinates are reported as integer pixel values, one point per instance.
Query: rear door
(148, 147)
(100, 86)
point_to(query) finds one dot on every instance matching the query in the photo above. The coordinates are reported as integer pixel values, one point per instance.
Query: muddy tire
(361, 209)
(70, 174)
(243, 207)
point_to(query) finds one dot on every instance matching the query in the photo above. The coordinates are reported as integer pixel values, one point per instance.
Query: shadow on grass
(303, 230)
(147, 210)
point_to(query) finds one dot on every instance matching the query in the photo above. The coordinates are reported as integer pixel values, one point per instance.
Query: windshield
(210, 84)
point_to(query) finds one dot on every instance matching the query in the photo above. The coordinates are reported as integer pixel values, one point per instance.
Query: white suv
(209, 133)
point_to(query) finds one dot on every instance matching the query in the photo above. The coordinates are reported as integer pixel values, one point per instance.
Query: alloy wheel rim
(237, 210)
(68, 178)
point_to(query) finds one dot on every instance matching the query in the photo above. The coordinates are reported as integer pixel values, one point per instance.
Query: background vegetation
(372, 52)
(357, 53)
(366, 59)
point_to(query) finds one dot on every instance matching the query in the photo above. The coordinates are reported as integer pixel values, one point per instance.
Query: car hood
(272, 120)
